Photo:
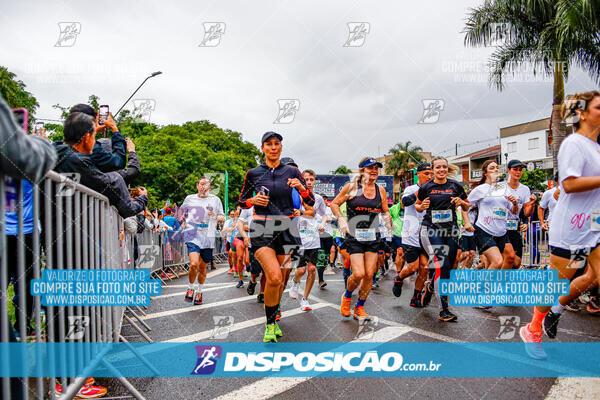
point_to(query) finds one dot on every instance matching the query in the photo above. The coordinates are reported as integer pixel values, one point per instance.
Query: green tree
(342, 170)
(404, 157)
(13, 91)
(552, 35)
(535, 179)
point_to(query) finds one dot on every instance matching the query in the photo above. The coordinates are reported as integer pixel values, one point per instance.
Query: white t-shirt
(309, 232)
(327, 228)
(246, 216)
(493, 210)
(385, 232)
(548, 201)
(523, 195)
(571, 227)
(228, 224)
(412, 220)
(200, 228)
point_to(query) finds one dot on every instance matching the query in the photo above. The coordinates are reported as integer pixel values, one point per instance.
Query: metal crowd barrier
(76, 229)
(536, 247)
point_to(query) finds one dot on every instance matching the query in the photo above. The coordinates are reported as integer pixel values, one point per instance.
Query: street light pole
(152, 75)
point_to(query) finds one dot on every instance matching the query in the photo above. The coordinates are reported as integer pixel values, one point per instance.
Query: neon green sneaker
(278, 332)
(270, 335)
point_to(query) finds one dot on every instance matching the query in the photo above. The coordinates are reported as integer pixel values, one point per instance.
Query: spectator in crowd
(170, 220)
(106, 160)
(75, 156)
(28, 158)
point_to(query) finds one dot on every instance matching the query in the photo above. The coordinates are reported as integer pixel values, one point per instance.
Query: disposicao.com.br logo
(350, 362)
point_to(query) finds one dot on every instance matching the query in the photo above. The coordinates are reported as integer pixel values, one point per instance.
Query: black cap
(269, 135)
(369, 162)
(515, 163)
(288, 161)
(423, 167)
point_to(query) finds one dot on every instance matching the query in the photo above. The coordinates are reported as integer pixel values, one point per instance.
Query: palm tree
(404, 157)
(551, 35)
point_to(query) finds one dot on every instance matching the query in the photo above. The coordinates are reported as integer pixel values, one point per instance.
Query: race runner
(439, 198)
(415, 255)
(202, 210)
(365, 201)
(273, 232)
(575, 229)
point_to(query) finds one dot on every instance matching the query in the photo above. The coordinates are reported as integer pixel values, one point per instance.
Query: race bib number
(366, 235)
(307, 232)
(512, 224)
(441, 216)
(595, 223)
(499, 213)
(202, 226)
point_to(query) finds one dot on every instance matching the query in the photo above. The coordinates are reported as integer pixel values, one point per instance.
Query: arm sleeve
(570, 161)
(423, 193)
(246, 192)
(132, 170)
(114, 161)
(22, 156)
(408, 200)
(476, 196)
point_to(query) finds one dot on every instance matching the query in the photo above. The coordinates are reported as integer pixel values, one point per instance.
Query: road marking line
(267, 388)
(200, 307)
(196, 337)
(162, 296)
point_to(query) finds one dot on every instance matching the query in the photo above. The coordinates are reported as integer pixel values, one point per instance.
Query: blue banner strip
(228, 360)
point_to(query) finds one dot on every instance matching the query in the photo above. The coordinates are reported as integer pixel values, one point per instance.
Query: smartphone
(103, 114)
(22, 117)
(264, 191)
(39, 126)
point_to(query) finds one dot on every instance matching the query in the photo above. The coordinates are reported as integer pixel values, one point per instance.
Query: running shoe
(322, 285)
(230, 270)
(251, 287)
(294, 290)
(593, 306)
(236, 275)
(345, 307)
(550, 324)
(584, 297)
(360, 314)
(397, 288)
(278, 316)
(447, 316)
(375, 284)
(415, 301)
(427, 294)
(533, 343)
(198, 299)
(245, 274)
(86, 392)
(573, 306)
(260, 298)
(304, 306)
(270, 335)
(189, 295)
(240, 284)
(278, 331)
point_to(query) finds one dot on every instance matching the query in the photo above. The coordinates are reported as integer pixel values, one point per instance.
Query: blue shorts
(205, 254)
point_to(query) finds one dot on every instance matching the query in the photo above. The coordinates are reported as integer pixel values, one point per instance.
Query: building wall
(521, 146)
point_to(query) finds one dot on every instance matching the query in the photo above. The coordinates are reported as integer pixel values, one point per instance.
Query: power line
(469, 144)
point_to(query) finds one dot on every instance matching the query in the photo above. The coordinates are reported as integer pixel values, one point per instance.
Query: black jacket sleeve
(132, 170)
(107, 162)
(22, 156)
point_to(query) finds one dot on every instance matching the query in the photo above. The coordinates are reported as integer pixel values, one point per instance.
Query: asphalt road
(172, 319)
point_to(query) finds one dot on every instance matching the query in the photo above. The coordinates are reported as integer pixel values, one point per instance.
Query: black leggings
(442, 248)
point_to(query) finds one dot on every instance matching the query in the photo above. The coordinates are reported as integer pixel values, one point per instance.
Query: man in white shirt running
(549, 200)
(201, 210)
